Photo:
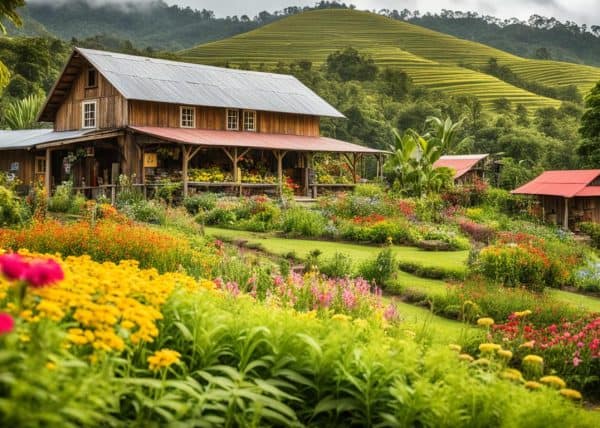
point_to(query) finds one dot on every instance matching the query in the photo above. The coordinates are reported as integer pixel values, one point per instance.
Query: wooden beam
(47, 175)
(566, 218)
(185, 159)
(279, 155)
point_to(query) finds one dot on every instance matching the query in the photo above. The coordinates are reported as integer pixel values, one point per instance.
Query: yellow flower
(523, 314)
(455, 347)
(163, 358)
(570, 393)
(511, 374)
(489, 347)
(341, 317)
(505, 353)
(361, 323)
(485, 322)
(51, 365)
(531, 384)
(465, 357)
(553, 381)
(482, 362)
(535, 360)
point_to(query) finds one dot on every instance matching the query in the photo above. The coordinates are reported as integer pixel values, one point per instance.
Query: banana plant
(445, 132)
(22, 114)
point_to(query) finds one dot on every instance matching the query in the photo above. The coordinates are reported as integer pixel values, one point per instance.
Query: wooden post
(307, 167)
(185, 158)
(279, 155)
(566, 219)
(113, 194)
(48, 175)
(354, 160)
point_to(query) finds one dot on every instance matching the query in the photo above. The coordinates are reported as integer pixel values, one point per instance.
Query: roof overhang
(252, 140)
(564, 184)
(47, 138)
(461, 164)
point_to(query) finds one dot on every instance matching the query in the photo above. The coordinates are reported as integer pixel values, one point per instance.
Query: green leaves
(22, 114)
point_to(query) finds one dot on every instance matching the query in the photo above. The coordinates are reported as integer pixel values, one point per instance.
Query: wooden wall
(145, 113)
(26, 161)
(580, 209)
(111, 106)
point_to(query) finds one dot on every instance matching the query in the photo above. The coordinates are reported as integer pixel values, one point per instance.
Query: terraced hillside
(432, 59)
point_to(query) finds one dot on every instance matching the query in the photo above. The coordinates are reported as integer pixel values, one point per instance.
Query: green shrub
(370, 190)
(11, 210)
(303, 222)
(593, 230)
(147, 211)
(379, 270)
(338, 266)
(61, 201)
(204, 201)
(399, 230)
(430, 272)
(78, 203)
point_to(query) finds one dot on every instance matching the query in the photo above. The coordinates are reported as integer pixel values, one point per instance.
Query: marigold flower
(485, 322)
(505, 353)
(466, 357)
(489, 347)
(7, 323)
(533, 359)
(532, 384)
(163, 358)
(570, 393)
(554, 381)
(481, 362)
(523, 314)
(50, 365)
(511, 374)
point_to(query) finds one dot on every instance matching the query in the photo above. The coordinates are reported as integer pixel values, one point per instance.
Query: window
(233, 120)
(249, 120)
(40, 165)
(187, 116)
(92, 78)
(89, 114)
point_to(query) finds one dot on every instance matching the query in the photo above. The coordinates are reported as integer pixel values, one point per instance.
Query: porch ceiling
(254, 140)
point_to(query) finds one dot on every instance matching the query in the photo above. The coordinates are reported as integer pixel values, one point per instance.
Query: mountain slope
(431, 59)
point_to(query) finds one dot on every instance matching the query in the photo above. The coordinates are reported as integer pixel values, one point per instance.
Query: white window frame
(237, 120)
(245, 114)
(181, 109)
(83, 105)
(40, 160)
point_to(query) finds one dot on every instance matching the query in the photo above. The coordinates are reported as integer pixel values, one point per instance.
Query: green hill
(432, 59)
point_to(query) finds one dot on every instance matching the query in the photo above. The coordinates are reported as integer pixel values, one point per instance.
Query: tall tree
(589, 149)
(8, 10)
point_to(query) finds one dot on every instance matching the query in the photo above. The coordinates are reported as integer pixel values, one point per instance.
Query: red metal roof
(255, 140)
(566, 184)
(459, 163)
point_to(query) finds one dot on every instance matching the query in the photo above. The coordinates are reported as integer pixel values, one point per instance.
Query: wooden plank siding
(111, 106)
(26, 160)
(146, 113)
(580, 209)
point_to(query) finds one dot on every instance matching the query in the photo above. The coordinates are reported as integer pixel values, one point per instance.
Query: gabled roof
(255, 140)
(29, 138)
(159, 80)
(459, 163)
(566, 184)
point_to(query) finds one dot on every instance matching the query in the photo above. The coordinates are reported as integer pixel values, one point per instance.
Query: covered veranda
(288, 156)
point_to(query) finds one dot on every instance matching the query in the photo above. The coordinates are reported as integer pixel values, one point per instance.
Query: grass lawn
(358, 253)
(586, 302)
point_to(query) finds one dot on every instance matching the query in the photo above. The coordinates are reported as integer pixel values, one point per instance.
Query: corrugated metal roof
(203, 137)
(28, 138)
(566, 184)
(461, 164)
(158, 80)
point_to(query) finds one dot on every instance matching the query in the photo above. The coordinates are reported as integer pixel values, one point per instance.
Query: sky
(580, 11)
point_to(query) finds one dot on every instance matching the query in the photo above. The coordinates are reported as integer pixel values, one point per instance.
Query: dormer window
(249, 120)
(92, 78)
(187, 117)
(89, 114)
(233, 120)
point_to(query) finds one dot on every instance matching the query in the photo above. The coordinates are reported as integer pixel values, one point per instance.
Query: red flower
(43, 272)
(13, 266)
(7, 323)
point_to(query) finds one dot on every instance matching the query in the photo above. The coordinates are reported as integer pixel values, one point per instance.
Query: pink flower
(13, 266)
(7, 323)
(576, 361)
(391, 313)
(43, 272)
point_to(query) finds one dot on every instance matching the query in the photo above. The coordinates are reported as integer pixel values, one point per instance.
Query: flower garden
(138, 315)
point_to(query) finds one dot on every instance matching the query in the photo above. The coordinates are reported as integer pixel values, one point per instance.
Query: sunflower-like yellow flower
(523, 314)
(341, 317)
(489, 347)
(553, 381)
(570, 393)
(481, 362)
(505, 353)
(532, 384)
(485, 322)
(535, 360)
(511, 374)
(163, 358)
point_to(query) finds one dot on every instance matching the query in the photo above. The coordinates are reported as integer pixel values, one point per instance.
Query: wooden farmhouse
(566, 197)
(467, 168)
(152, 120)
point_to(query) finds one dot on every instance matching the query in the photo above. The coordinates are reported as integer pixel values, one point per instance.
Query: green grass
(586, 302)
(358, 253)
(432, 59)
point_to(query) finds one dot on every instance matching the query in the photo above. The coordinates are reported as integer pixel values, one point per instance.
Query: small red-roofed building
(467, 168)
(566, 197)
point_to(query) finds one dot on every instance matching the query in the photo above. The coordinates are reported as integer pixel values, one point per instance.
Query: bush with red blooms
(478, 232)
(569, 348)
(368, 220)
